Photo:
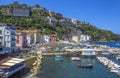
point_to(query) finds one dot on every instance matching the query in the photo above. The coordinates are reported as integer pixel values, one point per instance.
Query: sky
(104, 14)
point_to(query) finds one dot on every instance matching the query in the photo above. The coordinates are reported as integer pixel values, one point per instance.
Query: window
(7, 32)
(7, 37)
(17, 37)
(0, 44)
(0, 31)
(17, 41)
(1, 37)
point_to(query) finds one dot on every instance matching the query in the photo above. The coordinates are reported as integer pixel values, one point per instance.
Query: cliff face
(50, 22)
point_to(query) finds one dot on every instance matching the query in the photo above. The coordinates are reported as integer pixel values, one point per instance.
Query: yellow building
(36, 34)
(75, 38)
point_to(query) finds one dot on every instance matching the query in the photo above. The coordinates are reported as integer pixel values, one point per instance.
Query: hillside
(50, 22)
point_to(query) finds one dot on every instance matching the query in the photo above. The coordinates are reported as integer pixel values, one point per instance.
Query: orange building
(36, 34)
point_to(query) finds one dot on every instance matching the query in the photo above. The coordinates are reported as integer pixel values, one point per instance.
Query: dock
(36, 65)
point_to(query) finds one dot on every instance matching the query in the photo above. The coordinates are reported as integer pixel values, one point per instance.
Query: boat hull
(85, 66)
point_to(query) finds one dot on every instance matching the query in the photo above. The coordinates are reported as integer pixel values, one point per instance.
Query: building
(75, 38)
(46, 38)
(21, 39)
(20, 11)
(85, 38)
(53, 38)
(33, 34)
(7, 36)
(42, 40)
(30, 39)
(74, 21)
(66, 22)
(52, 21)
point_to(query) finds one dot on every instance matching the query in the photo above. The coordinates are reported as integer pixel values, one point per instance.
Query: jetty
(36, 64)
(112, 66)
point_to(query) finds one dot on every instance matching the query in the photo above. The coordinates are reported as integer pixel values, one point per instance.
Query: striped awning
(11, 62)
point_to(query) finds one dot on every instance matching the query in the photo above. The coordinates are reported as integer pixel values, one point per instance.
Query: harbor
(78, 57)
(46, 39)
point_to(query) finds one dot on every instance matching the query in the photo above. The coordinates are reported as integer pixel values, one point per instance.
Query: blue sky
(104, 14)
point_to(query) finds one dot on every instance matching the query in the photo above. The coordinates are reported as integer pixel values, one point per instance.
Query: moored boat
(118, 57)
(59, 58)
(85, 65)
(75, 59)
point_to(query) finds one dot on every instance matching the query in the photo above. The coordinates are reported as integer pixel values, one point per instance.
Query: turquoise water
(68, 69)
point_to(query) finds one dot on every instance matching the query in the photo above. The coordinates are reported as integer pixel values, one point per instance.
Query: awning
(11, 62)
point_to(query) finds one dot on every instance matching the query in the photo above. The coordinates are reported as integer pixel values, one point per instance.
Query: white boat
(75, 59)
(88, 52)
(118, 57)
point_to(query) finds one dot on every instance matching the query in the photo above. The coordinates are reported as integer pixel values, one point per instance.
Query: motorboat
(85, 65)
(117, 57)
(59, 58)
(75, 59)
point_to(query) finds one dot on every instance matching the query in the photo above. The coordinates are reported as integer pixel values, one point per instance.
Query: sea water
(68, 69)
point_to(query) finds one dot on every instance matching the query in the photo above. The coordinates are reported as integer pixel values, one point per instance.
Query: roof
(11, 62)
(31, 31)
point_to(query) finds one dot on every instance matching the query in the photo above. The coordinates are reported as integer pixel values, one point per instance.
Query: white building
(52, 21)
(85, 38)
(7, 35)
(74, 21)
(47, 38)
(66, 22)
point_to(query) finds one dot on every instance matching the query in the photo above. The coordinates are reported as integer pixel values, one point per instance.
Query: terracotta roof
(31, 31)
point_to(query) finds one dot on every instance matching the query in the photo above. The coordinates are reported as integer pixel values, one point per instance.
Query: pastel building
(21, 39)
(53, 37)
(7, 37)
(42, 40)
(31, 33)
(75, 38)
(45, 39)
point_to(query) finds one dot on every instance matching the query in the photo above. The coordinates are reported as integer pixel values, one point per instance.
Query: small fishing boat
(59, 58)
(85, 65)
(75, 59)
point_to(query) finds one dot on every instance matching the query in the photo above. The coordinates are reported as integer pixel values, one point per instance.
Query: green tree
(15, 3)
(37, 5)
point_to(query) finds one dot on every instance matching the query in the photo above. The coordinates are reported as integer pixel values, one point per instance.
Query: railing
(8, 74)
